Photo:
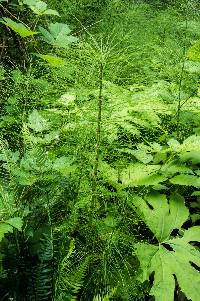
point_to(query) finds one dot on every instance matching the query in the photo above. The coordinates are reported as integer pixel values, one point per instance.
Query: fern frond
(70, 279)
(39, 274)
(106, 297)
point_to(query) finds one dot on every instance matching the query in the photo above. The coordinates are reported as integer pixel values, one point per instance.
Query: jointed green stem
(98, 138)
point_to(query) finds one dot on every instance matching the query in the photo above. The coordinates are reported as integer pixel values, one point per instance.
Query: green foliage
(162, 218)
(2, 72)
(83, 157)
(8, 225)
(17, 27)
(40, 272)
(106, 297)
(188, 180)
(70, 281)
(37, 123)
(52, 60)
(194, 52)
(85, 11)
(58, 35)
(40, 8)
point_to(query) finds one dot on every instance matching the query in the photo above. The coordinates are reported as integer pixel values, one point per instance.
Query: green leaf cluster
(171, 255)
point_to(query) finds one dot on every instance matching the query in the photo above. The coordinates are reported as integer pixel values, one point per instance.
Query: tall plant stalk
(180, 84)
(98, 137)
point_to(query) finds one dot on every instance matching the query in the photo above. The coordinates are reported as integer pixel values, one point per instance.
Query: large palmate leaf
(40, 8)
(172, 256)
(160, 215)
(19, 28)
(58, 35)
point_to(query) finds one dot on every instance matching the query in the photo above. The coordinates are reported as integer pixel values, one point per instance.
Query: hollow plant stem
(98, 139)
(180, 84)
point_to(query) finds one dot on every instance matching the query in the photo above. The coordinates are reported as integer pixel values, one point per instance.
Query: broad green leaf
(171, 168)
(189, 150)
(40, 8)
(52, 60)
(52, 12)
(173, 143)
(48, 138)
(8, 225)
(195, 217)
(192, 143)
(15, 222)
(37, 123)
(191, 156)
(190, 235)
(187, 180)
(142, 156)
(58, 35)
(37, 6)
(196, 193)
(154, 259)
(166, 264)
(156, 147)
(19, 28)
(162, 217)
(141, 174)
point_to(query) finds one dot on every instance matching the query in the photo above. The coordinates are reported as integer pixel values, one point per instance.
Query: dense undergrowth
(99, 150)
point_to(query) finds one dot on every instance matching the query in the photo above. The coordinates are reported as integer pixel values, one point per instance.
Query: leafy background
(99, 150)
